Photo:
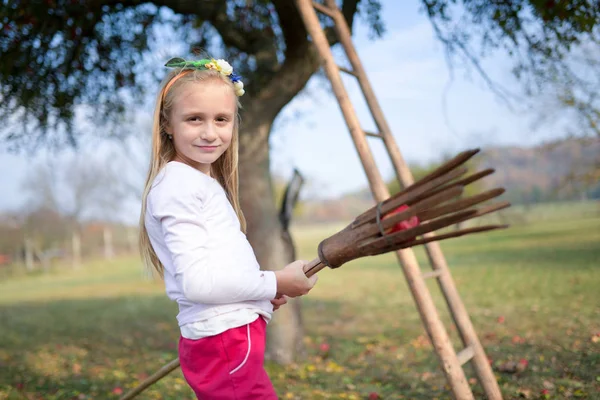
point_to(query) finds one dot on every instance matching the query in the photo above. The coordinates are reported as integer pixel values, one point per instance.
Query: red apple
(404, 224)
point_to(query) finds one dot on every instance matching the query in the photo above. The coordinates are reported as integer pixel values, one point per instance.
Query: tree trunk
(76, 245)
(265, 233)
(28, 254)
(273, 248)
(45, 260)
(109, 252)
(132, 240)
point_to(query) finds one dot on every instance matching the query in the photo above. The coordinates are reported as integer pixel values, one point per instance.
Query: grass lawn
(532, 291)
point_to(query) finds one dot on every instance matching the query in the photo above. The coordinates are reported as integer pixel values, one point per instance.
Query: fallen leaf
(548, 385)
(518, 339)
(76, 369)
(512, 367)
(426, 375)
(524, 393)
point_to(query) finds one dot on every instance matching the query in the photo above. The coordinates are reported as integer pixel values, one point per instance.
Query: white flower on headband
(224, 67)
(239, 88)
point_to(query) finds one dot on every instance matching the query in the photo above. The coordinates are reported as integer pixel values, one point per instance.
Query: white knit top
(210, 269)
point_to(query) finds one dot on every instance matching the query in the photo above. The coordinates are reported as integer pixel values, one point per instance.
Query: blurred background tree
(74, 66)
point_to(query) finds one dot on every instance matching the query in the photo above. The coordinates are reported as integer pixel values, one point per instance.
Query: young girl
(192, 233)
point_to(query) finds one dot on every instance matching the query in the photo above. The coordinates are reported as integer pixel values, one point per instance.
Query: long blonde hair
(224, 169)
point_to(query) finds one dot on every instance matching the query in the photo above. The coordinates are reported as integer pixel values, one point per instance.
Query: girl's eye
(221, 119)
(194, 119)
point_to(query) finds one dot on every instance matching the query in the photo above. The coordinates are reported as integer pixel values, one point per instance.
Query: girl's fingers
(278, 302)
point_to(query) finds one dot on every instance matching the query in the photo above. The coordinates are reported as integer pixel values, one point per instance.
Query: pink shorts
(228, 366)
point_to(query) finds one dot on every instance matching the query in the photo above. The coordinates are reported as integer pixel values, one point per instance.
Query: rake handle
(158, 375)
(313, 267)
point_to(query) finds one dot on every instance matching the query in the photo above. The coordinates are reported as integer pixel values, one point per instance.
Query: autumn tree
(64, 60)
(77, 188)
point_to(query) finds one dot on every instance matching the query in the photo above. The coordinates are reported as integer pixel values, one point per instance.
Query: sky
(429, 113)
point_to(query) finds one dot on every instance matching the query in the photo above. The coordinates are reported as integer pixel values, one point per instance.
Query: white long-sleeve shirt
(210, 269)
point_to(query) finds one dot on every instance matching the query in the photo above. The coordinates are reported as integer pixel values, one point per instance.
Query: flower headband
(218, 65)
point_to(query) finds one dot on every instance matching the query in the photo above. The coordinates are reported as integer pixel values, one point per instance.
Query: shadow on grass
(578, 255)
(84, 349)
(79, 348)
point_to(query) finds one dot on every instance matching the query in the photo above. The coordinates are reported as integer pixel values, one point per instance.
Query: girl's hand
(278, 301)
(291, 280)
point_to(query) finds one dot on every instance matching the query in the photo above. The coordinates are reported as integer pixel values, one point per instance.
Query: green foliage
(531, 292)
(60, 54)
(554, 46)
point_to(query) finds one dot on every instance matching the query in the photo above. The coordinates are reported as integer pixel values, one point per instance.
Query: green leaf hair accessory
(218, 65)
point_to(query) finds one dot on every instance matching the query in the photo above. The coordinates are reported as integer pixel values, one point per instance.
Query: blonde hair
(224, 169)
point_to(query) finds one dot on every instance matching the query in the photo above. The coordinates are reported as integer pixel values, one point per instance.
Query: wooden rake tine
(454, 234)
(475, 213)
(423, 206)
(461, 182)
(456, 161)
(398, 237)
(459, 204)
(407, 197)
(487, 210)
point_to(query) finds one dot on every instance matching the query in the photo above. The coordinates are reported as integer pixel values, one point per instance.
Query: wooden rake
(435, 201)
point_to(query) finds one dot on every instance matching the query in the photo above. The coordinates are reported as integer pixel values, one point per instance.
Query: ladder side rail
(437, 333)
(343, 32)
(463, 322)
(456, 306)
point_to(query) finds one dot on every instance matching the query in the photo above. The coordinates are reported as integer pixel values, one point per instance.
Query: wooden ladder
(450, 360)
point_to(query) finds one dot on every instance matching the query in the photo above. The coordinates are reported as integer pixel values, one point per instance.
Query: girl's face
(201, 122)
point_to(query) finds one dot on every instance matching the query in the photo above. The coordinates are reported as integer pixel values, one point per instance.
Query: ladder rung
(348, 71)
(372, 134)
(324, 9)
(465, 355)
(432, 274)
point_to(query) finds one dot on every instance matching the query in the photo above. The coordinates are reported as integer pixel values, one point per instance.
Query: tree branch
(301, 60)
(349, 8)
(244, 38)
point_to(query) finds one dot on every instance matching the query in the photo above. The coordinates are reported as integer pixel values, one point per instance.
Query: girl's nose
(209, 132)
